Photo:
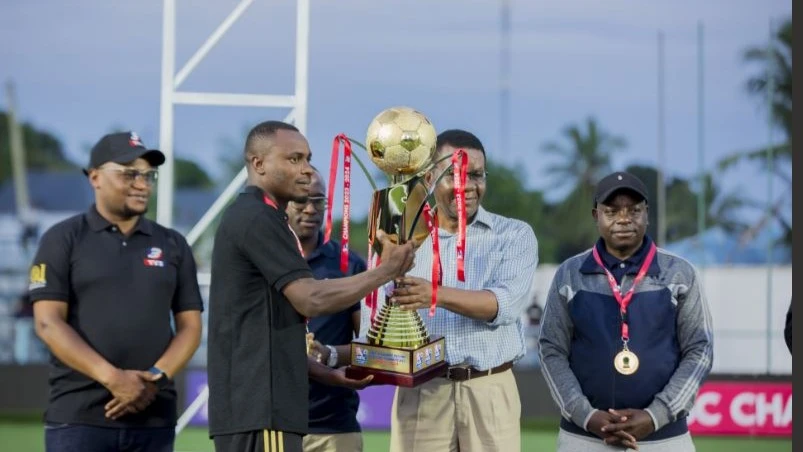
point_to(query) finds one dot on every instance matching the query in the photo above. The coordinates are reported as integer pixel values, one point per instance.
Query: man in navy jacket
(626, 336)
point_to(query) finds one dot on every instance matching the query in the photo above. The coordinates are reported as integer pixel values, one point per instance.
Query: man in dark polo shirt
(103, 285)
(261, 292)
(333, 422)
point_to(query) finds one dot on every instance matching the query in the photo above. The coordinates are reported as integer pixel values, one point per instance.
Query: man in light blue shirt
(477, 406)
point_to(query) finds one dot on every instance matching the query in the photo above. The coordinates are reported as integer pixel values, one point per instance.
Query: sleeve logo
(37, 278)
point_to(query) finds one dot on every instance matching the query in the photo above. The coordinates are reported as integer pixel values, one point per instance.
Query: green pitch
(28, 437)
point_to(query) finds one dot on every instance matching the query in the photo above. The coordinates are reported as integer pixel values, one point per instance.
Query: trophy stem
(395, 327)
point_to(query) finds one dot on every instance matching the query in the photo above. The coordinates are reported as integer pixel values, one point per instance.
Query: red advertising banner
(743, 408)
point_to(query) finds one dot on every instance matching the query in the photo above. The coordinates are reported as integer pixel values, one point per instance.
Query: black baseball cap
(122, 147)
(614, 182)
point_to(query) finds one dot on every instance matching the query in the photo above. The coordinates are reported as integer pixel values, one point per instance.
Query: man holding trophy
(477, 406)
(261, 293)
(485, 288)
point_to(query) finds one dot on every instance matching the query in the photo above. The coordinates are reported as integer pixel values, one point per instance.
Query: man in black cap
(626, 336)
(103, 285)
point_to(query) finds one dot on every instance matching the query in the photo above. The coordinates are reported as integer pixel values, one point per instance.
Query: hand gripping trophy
(398, 350)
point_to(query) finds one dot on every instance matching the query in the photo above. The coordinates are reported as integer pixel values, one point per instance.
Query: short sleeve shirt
(120, 291)
(257, 361)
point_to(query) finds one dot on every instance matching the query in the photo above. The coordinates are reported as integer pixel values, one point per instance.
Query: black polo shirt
(333, 409)
(120, 292)
(257, 361)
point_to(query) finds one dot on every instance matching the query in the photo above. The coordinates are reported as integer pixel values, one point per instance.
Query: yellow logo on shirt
(37, 278)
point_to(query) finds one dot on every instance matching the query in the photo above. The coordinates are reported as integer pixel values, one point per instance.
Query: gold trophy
(398, 350)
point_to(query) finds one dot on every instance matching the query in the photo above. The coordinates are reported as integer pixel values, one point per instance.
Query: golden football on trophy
(397, 349)
(401, 141)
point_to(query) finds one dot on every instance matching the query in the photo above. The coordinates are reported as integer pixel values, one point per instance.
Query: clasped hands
(133, 391)
(621, 427)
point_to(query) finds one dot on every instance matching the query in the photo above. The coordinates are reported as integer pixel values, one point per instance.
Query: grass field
(27, 437)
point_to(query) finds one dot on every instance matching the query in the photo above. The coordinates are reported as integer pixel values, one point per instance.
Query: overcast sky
(83, 67)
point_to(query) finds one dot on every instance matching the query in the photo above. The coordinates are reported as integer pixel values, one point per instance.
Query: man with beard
(261, 294)
(626, 337)
(476, 407)
(103, 285)
(333, 422)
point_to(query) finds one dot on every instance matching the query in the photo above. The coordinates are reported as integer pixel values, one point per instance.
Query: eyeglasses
(476, 176)
(318, 202)
(633, 212)
(129, 175)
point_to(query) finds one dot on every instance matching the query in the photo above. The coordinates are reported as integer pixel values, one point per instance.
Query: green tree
(507, 194)
(681, 197)
(358, 234)
(43, 151)
(585, 157)
(775, 64)
(570, 225)
(188, 174)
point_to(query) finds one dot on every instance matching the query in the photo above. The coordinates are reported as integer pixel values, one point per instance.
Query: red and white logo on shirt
(153, 257)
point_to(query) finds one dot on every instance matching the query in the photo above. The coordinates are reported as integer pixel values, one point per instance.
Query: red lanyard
(624, 301)
(270, 202)
(432, 225)
(460, 162)
(344, 228)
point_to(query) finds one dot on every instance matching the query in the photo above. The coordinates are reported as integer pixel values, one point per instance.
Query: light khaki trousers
(478, 415)
(334, 442)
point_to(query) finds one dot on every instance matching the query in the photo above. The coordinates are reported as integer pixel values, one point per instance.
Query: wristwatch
(162, 381)
(332, 361)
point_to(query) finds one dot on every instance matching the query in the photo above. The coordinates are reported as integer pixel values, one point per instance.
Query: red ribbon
(330, 194)
(432, 225)
(373, 296)
(344, 229)
(625, 300)
(460, 162)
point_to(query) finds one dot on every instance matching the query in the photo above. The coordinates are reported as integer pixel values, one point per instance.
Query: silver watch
(332, 361)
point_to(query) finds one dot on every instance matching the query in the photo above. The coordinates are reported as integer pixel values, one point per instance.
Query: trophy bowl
(397, 349)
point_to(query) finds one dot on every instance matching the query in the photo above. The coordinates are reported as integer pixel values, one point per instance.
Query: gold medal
(626, 362)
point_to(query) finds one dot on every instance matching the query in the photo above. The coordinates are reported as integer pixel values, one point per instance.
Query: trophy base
(396, 379)
(398, 366)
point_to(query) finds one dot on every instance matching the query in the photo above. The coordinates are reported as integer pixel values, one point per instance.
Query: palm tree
(721, 208)
(776, 59)
(586, 157)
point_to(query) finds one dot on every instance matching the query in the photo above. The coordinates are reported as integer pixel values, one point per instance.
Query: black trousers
(259, 441)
